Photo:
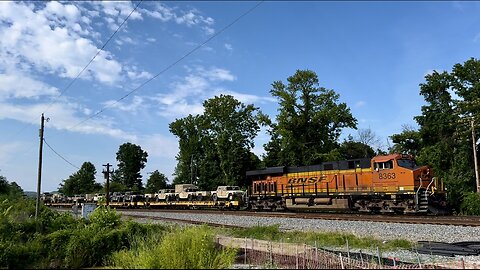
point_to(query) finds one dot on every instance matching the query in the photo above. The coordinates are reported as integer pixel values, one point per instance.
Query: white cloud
(160, 145)
(228, 46)
(189, 18)
(52, 44)
(21, 86)
(246, 98)
(360, 103)
(133, 107)
(187, 95)
(63, 118)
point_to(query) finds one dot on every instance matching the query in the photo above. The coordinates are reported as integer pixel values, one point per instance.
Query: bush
(188, 248)
(105, 217)
(470, 204)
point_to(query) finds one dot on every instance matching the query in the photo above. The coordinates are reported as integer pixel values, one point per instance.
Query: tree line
(215, 147)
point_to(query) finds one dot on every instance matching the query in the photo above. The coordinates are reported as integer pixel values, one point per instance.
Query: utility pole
(42, 126)
(106, 174)
(474, 142)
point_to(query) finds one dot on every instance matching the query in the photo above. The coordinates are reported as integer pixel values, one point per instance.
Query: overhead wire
(84, 68)
(144, 83)
(168, 67)
(60, 156)
(64, 159)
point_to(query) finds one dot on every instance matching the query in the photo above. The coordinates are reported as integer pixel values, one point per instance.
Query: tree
(190, 131)
(4, 186)
(351, 149)
(445, 141)
(155, 182)
(81, 182)
(131, 159)
(215, 146)
(309, 122)
(409, 141)
(233, 127)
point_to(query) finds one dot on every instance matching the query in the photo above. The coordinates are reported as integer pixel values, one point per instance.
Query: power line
(88, 64)
(64, 159)
(75, 166)
(169, 66)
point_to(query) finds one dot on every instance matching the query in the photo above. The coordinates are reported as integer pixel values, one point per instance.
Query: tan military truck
(190, 192)
(228, 193)
(165, 195)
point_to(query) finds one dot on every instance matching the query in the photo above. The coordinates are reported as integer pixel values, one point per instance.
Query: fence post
(378, 255)
(418, 258)
(361, 257)
(245, 261)
(304, 254)
(271, 255)
(296, 256)
(463, 262)
(394, 263)
(341, 260)
(348, 251)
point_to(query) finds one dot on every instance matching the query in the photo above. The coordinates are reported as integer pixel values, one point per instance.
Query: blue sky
(374, 54)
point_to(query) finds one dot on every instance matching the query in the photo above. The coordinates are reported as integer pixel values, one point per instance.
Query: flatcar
(383, 184)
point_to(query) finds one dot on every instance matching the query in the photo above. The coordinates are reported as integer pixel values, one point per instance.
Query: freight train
(383, 184)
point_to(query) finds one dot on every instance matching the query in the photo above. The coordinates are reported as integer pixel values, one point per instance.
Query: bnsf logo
(306, 180)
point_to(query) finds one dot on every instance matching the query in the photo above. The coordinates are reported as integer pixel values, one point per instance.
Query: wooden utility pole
(474, 142)
(42, 126)
(106, 174)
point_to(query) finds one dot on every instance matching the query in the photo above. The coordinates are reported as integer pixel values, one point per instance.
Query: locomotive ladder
(421, 198)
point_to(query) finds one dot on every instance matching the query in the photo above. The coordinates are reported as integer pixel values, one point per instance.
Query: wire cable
(88, 64)
(168, 67)
(75, 166)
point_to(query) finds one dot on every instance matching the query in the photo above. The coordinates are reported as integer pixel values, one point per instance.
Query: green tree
(309, 122)
(190, 132)
(131, 159)
(445, 141)
(155, 182)
(4, 186)
(81, 182)
(351, 149)
(215, 146)
(409, 141)
(233, 126)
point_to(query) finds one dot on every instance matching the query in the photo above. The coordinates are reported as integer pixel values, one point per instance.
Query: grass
(321, 239)
(181, 248)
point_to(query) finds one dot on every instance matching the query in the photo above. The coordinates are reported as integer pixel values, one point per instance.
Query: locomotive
(384, 184)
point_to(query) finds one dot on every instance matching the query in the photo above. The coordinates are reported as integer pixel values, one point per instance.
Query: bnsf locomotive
(385, 184)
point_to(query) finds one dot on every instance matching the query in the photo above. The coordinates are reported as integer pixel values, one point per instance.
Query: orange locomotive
(387, 184)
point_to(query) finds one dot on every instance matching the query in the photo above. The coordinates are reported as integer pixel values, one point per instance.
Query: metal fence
(265, 254)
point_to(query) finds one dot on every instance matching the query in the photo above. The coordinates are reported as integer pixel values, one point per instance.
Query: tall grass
(186, 248)
(322, 239)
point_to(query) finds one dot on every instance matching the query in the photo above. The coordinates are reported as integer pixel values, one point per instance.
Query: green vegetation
(444, 138)
(155, 182)
(187, 248)
(81, 182)
(322, 239)
(131, 159)
(58, 240)
(215, 147)
(471, 204)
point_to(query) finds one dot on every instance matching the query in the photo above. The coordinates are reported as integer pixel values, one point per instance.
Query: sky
(168, 57)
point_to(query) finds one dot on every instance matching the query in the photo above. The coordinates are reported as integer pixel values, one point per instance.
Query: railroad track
(470, 221)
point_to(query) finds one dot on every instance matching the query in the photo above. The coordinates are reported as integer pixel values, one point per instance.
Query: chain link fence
(265, 254)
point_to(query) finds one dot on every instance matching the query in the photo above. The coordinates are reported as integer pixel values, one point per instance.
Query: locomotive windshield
(407, 163)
